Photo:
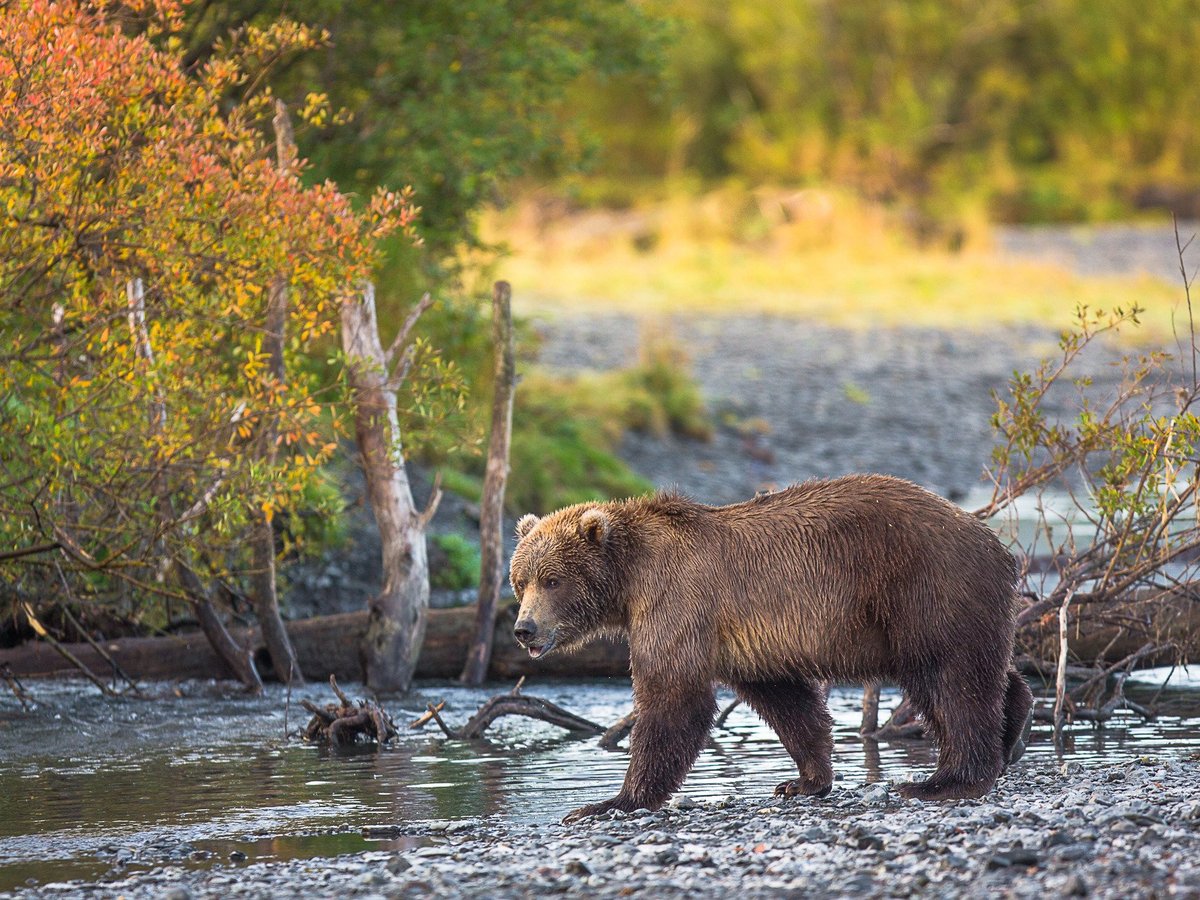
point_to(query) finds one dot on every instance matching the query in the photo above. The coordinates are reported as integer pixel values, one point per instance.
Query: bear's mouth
(537, 652)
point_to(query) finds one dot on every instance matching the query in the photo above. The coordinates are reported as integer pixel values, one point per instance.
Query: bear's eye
(519, 588)
(551, 583)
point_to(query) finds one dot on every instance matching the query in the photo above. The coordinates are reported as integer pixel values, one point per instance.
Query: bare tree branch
(402, 336)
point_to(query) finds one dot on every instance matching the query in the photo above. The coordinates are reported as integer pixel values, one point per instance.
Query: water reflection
(86, 784)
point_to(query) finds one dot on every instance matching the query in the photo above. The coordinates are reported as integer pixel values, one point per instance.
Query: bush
(454, 562)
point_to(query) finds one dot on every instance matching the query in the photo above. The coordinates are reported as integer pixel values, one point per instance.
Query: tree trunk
(491, 516)
(396, 616)
(262, 534)
(238, 658)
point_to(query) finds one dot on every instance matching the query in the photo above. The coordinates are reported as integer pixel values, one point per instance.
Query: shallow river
(89, 786)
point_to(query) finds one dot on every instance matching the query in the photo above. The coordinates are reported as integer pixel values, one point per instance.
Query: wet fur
(851, 579)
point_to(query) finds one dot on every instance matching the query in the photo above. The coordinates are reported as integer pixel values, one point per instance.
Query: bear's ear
(593, 525)
(525, 524)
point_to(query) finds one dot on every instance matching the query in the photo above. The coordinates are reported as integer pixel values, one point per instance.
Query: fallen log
(1100, 634)
(325, 645)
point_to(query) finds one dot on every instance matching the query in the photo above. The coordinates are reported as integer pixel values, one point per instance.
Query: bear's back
(846, 576)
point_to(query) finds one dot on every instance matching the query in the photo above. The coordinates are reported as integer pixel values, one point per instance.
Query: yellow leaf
(37, 626)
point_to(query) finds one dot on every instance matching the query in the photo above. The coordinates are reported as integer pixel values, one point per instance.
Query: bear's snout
(525, 630)
(538, 641)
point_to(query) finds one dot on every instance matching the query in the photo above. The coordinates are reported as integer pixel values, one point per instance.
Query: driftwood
(345, 722)
(1100, 712)
(723, 717)
(902, 724)
(491, 507)
(870, 708)
(65, 651)
(618, 731)
(325, 645)
(18, 689)
(514, 703)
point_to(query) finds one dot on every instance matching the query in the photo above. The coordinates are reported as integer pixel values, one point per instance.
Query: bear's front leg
(673, 720)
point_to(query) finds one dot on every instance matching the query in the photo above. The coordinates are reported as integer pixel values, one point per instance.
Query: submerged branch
(345, 722)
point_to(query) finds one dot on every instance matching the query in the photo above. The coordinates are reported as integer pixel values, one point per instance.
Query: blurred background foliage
(901, 123)
(1031, 110)
(841, 160)
(461, 100)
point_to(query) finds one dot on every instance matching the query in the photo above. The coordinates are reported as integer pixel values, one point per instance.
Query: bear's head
(562, 575)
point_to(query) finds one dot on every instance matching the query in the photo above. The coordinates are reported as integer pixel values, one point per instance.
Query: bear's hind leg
(1018, 701)
(796, 711)
(966, 716)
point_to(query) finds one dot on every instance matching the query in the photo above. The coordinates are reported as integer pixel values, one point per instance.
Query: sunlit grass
(829, 259)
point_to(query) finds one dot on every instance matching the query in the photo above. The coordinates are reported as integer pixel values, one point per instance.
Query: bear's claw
(802, 787)
(592, 809)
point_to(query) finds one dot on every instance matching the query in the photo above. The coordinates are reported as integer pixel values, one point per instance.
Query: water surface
(92, 787)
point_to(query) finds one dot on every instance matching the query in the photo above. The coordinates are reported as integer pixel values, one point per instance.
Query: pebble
(875, 794)
(1075, 886)
(743, 848)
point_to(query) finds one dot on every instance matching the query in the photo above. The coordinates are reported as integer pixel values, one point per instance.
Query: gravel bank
(1113, 831)
(793, 399)
(1114, 249)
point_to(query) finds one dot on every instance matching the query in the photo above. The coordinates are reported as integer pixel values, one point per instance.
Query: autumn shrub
(145, 224)
(1109, 529)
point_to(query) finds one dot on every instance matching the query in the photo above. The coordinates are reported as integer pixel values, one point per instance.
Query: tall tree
(452, 97)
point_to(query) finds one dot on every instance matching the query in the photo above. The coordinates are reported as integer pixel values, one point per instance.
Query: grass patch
(454, 562)
(463, 484)
(813, 254)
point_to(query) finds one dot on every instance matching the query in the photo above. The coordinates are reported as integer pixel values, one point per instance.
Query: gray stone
(1015, 856)
(1075, 852)
(870, 842)
(875, 794)
(1075, 886)
(398, 864)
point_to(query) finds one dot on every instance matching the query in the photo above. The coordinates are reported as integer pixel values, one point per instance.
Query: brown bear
(851, 579)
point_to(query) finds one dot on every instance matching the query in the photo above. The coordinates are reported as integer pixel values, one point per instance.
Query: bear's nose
(525, 631)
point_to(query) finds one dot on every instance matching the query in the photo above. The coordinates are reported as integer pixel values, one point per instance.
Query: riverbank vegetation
(174, 260)
(1004, 110)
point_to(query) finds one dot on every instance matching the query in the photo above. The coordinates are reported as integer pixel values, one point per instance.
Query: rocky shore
(1111, 831)
(793, 399)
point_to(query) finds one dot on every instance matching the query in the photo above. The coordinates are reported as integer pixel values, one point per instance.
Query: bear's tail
(1018, 717)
